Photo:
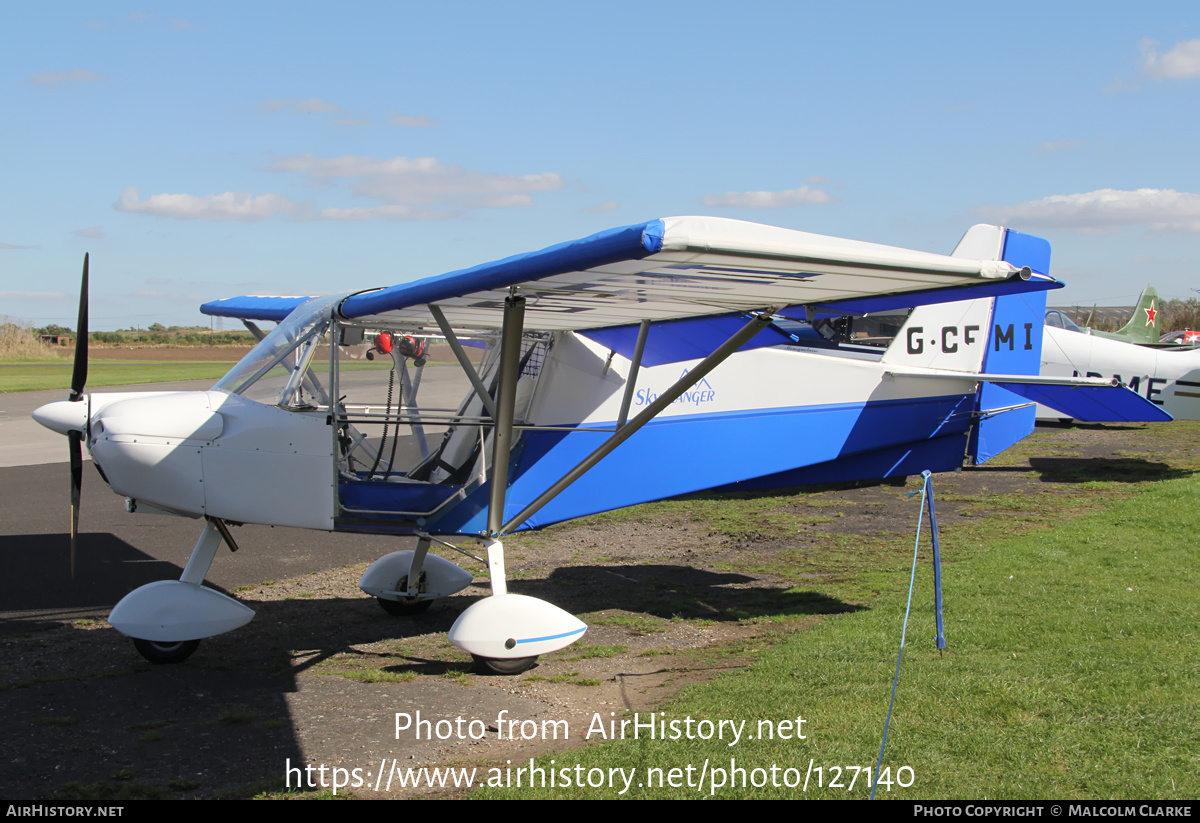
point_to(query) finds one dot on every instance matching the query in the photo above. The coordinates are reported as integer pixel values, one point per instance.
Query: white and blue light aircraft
(636, 364)
(1167, 376)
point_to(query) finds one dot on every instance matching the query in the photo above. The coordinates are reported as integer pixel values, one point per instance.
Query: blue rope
(903, 632)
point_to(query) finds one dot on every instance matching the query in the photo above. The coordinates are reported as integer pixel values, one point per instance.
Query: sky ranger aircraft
(668, 334)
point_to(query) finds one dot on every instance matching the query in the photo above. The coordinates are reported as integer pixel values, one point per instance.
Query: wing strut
(506, 397)
(745, 333)
(636, 364)
(463, 360)
(258, 333)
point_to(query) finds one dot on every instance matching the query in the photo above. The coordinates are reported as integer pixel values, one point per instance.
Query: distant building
(56, 339)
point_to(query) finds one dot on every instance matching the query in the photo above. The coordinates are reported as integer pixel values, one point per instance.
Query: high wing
(672, 268)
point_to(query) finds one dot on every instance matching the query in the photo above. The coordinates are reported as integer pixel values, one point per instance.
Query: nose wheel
(159, 652)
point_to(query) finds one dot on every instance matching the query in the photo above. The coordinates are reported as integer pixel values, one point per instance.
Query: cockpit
(1058, 320)
(394, 458)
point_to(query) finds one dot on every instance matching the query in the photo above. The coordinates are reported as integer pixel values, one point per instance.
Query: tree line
(155, 334)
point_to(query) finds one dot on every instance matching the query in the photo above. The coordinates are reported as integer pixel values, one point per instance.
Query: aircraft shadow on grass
(1103, 469)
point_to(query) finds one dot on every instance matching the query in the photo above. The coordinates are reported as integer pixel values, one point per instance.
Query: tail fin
(1014, 346)
(1143, 326)
(1001, 335)
(951, 335)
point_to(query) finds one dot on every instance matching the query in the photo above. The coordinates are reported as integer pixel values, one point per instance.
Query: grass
(1070, 672)
(377, 676)
(16, 377)
(237, 716)
(590, 652)
(634, 622)
(55, 373)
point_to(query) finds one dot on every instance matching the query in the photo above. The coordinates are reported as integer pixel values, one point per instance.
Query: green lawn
(1072, 672)
(36, 375)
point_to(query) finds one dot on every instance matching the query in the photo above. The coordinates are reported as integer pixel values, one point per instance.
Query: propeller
(78, 382)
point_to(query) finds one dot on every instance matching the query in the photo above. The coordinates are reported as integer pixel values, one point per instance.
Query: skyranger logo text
(697, 395)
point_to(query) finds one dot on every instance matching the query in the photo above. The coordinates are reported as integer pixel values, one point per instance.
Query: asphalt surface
(118, 551)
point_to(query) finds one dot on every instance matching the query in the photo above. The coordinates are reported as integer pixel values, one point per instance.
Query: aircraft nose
(63, 416)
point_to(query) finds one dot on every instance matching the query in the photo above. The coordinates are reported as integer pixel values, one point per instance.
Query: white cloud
(1105, 211)
(405, 189)
(1180, 63)
(611, 205)
(55, 78)
(227, 206)
(421, 180)
(313, 105)
(91, 233)
(395, 212)
(817, 180)
(1066, 144)
(183, 25)
(13, 247)
(767, 199)
(397, 119)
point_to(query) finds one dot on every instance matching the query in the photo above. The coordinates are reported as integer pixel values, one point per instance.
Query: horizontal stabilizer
(1092, 404)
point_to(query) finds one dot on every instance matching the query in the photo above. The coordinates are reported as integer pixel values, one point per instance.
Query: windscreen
(274, 371)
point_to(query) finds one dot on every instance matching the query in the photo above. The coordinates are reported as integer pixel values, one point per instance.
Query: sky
(207, 150)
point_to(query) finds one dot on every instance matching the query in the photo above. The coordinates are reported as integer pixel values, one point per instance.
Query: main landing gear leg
(505, 633)
(492, 665)
(412, 584)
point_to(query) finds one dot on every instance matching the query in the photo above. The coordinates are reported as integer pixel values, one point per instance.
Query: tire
(406, 606)
(510, 666)
(161, 653)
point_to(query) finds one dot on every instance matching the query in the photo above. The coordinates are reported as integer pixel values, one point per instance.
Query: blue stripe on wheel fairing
(552, 637)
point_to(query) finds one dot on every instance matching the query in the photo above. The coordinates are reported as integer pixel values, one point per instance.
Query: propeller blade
(79, 375)
(78, 382)
(73, 440)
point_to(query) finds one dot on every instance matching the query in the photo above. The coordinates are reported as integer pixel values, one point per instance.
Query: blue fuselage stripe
(692, 452)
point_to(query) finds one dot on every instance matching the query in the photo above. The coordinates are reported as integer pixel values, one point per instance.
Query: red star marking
(1151, 313)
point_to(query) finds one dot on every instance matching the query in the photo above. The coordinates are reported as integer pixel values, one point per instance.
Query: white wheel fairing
(169, 611)
(507, 626)
(442, 578)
